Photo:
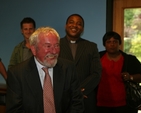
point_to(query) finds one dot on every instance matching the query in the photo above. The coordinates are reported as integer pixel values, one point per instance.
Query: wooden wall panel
(118, 13)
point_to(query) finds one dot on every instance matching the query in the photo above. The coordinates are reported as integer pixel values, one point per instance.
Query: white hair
(33, 40)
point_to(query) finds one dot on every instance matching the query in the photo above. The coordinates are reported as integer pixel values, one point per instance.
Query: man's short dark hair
(75, 15)
(111, 34)
(28, 20)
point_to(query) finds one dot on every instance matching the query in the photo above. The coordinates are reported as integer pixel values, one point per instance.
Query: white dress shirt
(42, 73)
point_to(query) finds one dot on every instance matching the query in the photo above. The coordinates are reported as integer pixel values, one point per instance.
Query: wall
(49, 13)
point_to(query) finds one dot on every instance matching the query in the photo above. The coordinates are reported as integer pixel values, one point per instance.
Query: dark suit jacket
(88, 66)
(24, 90)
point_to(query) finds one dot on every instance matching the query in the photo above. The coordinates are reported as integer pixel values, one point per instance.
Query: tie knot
(45, 69)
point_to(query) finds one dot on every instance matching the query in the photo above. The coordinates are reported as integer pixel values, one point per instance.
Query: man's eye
(56, 46)
(80, 24)
(70, 22)
(47, 46)
(108, 41)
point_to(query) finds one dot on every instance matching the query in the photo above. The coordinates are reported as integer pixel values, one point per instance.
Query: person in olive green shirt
(22, 51)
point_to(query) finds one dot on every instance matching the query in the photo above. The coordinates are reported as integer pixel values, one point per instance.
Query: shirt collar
(40, 66)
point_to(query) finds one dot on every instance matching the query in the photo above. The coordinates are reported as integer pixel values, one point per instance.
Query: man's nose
(53, 50)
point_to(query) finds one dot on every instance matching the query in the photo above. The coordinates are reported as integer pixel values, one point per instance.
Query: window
(132, 31)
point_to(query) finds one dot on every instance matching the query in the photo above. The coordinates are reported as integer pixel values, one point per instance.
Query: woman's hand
(126, 76)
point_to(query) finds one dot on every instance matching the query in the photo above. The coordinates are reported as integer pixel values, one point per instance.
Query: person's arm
(14, 96)
(3, 70)
(77, 105)
(134, 77)
(92, 80)
(133, 72)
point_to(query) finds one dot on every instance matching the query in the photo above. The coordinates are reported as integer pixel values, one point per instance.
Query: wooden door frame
(109, 18)
(109, 15)
(112, 15)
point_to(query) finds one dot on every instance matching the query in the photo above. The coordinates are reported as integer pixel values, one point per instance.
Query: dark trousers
(90, 103)
(122, 109)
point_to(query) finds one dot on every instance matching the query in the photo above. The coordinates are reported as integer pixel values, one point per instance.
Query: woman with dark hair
(117, 67)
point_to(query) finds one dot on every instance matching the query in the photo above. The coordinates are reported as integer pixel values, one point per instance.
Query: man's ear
(33, 49)
(21, 31)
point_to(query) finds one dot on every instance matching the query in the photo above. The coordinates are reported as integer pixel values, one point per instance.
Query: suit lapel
(80, 50)
(33, 81)
(66, 49)
(58, 82)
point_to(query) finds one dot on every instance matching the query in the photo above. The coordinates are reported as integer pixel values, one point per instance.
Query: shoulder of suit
(25, 64)
(88, 41)
(64, 61)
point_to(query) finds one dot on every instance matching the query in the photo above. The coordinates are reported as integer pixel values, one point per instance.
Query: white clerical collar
(73, 42)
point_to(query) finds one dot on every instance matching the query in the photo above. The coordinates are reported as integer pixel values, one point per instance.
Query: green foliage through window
(132, 31)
